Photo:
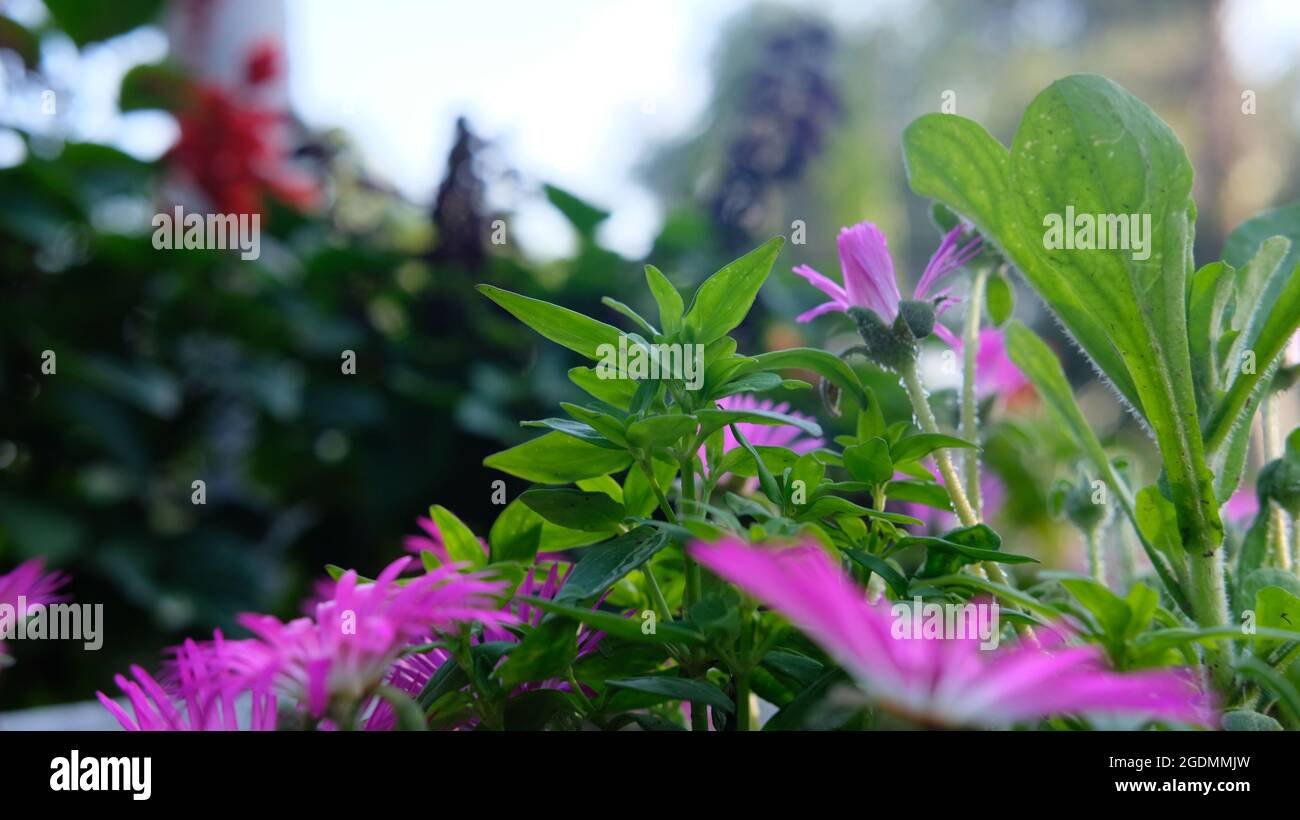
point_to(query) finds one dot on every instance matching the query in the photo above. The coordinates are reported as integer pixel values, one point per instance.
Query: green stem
(989, 570)
(742, 702)
(1277, 535)
(1096, 562)
(969, 396)
(925, 417)
(656, 592)
(659, 493)
(685, 504)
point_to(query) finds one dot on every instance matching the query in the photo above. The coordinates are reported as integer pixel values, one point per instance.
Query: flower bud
(1279, 481)
(890, 347)
(919, 317)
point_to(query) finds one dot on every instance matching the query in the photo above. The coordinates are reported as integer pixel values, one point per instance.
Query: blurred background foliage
(174, 367)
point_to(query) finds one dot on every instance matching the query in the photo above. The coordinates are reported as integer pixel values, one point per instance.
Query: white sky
(572, 92)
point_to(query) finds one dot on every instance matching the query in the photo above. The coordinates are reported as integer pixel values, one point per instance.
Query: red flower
(235, 153)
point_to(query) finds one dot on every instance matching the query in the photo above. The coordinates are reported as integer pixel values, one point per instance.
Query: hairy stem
(969, 397)
(925, 417)
(1277, 525)
(1096, 562)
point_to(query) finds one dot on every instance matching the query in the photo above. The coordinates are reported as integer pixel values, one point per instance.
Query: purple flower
(1242, 506)
(995, 373)
(329, 663)
(763, 435)
(943, 682)
(26, 586)
(196, 694)
(766, 435)
(344, 652)
(869, 280)
(411, 673)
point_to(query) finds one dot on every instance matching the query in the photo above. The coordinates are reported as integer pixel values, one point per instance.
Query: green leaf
(582, 215)
(660, 431)
(460, 541)
(1040, 365)
(915, 447)
(557, 458)
(723, 300)
(1086, 144)
(738, 461)
(91, 22)
(577, 332)
(410, 717)
(958, 547)
(603, 565)
(834, 505)
(827, 365)
(631, 314)
(895, 579)
(797, 713)
(749, 383)
(614, 392)
(711, 420)
(1245, 720)
(870, 461)
(638, 496)
(1158, 524)
(673, 688)
(1275, 608)
(765, 478)
(1268, 336)
(575, 509)
(608, 426)
(545, 652)
(628, 629)
(1207, 300)
(519, 533)
(1000, 297)
(667, 298)
(577, 429)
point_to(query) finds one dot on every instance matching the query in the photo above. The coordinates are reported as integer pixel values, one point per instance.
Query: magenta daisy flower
(26, 586)
(943, 682)
(340, 656)
(995, 373)
(411, 673)
(197, 694)
(763, 435)
(869, 280)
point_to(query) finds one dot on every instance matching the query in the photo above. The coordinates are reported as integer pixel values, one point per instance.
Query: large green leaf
(674, 688)
(460, 541)
(1040, 365)
(557, 458)
(603, 565)
(575, 509)
(1087, 145)
(723, 300)
(827, 365)
(667, 298)
(581, 334)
